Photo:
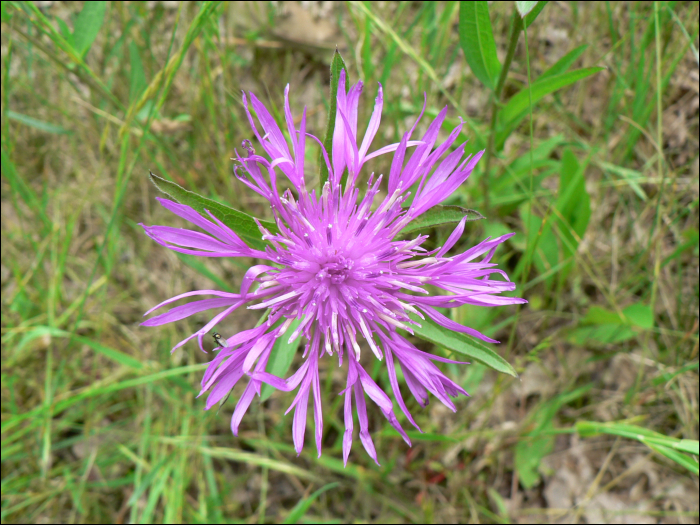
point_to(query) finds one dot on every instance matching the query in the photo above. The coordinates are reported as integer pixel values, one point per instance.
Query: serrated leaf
(241, 223)
(516, 109)
(478, 44)
(439, 215)
(88, 25)
(281, 357)
(524, 8)
(337, 65)
(461, 343)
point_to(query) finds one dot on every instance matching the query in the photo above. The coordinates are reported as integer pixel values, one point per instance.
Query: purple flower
(336, 266)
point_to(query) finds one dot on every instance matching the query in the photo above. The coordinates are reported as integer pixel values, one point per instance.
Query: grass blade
(303, 505)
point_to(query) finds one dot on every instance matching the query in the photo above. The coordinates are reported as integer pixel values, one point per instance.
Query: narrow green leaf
(303, 505)
(439, 215)
(478, 45)
(524, 8)
(517, 107)
(530, 17)
(461, 343)
(574, 205)
(137, 80)
(241, 223)
(689, 445)
(281, 358)
(337, 65)
(631, 177)
(65, 31)
(564, 63)
(689, 463)
(519, 102)
(21, 188)
(37, 124)
(88, 25)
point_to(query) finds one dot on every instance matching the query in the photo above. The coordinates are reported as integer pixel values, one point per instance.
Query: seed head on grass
(336, 265)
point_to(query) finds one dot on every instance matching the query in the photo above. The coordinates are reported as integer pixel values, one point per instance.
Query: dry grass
(100, 421)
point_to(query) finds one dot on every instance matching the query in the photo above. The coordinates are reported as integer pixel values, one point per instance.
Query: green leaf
(88, 25)
(639, 315)
(460, 343)
(281, 358)
(564, 63)
(631, 177)
(301, 508)
(241, 223)
(689, 463)
(530, 17)
(37, 124)
(137, 81)
(516, 108)
(574, 205)
(439, 215)
(337, 65)
(65, 31)
(538, 443)
(668, 446)
(524, 8)
(478, 45)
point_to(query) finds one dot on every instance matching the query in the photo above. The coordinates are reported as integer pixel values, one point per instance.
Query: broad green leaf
(516, 108)
(302, 507)
(478, 45)
(37, 124)
(439, 215)
(607, 327)
(337, 65)
(460, 343)
(639, 315)
(524, 8)
(530, 17)
(281, 358)
(88, 25)
(241, 223)
(137, 80)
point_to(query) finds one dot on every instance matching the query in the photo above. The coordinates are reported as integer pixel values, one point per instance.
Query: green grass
(595, 170)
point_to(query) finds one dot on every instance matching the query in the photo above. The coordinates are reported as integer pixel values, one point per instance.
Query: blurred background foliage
(592, 159)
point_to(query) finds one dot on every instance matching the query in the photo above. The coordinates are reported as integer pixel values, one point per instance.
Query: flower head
(336, 266)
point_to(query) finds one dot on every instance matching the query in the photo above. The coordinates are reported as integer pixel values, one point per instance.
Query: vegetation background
(100, 422)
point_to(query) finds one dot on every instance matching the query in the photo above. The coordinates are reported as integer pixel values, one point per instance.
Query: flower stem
(515, 28)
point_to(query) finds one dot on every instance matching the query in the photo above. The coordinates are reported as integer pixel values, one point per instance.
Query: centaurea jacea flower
(337, 267)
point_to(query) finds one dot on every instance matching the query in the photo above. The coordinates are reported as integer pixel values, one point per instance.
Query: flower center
(335, 270)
